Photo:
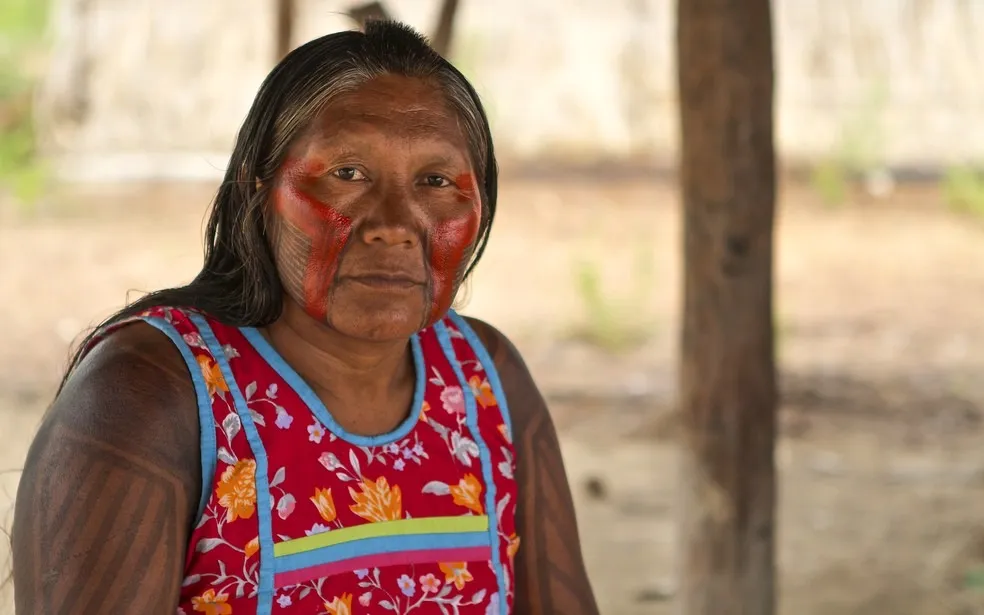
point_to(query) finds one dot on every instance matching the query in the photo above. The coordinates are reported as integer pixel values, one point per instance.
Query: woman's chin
(380, 318)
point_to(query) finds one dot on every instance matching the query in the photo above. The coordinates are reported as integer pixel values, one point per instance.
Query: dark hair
(238, 283)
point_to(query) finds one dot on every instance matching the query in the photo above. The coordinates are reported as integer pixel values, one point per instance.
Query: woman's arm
(111, 485)
(550, 574)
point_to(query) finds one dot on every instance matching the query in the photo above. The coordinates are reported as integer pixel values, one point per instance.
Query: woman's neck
(339, 367)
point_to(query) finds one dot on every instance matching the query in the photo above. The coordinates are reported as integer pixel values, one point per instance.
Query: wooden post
(727, 370)
(286, 10)
(362, 13)
(444, 29)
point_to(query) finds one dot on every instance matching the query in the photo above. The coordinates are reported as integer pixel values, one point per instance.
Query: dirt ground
(881, 340)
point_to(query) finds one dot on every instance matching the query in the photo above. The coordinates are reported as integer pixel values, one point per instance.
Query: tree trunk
(365, 12)
(727, 371)
(286, 9)
(444, 30)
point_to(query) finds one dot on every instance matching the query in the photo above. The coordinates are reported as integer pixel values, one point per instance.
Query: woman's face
(376, 210)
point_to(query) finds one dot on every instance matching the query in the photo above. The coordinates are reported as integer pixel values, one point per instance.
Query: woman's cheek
(451, 243)
(319, 234)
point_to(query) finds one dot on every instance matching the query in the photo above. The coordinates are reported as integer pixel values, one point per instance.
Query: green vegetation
(963, 189)
(613, 320)
(22, 25)
(974, 578)
(859, 150)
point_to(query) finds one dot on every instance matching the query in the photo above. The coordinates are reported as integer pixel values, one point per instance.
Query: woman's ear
(244, 177)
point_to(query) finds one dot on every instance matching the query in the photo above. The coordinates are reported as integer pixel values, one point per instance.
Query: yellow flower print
(468, 493)
(211, 603)
(213, 376)
(424, 409)
(325, 504)
(513, 547)
(237, 490)
(340, 605)
(377, 501)
(482, 391)
(252, 547)
(457, 573)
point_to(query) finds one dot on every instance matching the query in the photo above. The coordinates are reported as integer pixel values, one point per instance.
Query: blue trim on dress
(485, 458)
(206, 417)
(314, 403)
(486, 360)
(379, 545)
(265, 589)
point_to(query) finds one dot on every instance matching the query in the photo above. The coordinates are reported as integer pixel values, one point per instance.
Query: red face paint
(327, 230)
(450, 241)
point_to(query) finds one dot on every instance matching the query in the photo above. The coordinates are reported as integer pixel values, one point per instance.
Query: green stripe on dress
(403, 527)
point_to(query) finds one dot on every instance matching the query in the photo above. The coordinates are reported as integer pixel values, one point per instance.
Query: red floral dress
(299, 516)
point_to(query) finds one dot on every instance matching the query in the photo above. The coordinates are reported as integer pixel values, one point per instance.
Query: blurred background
(117, 118)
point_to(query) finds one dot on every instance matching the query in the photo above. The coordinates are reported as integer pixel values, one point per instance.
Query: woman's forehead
(390, 105)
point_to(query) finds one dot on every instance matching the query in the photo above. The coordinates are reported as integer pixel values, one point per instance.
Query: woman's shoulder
(133, 359)
(525, 401)
(117, 455)
(132, 392)
(500, 348)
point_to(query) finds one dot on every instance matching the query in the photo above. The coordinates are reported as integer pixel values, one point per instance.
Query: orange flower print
(457, 573)
(424, 409)
(237, 490)
(513, 547)
(482, 390)
(468, 493)
(252, 547)
(340, 605)
(377, 501)
(325, 504)
(505, 432)
(211, 603)
(213, 376)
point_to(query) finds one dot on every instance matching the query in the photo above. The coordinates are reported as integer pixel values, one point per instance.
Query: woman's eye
(348, 174)
(436, 181)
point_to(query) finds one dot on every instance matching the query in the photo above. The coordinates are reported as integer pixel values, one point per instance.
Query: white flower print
(429, 584)
(231, 426)
(316, 432)
(254, 400)
(317, 528)
(453, 400)
(407, 586)
(401, 453)
(194, 340)
(284, 601)
(284, 419)
(463, 448)
(506, 467)
(493, 607)
(285, 506)
(329, 461)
